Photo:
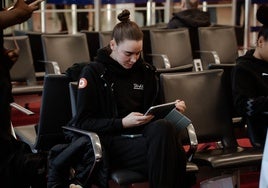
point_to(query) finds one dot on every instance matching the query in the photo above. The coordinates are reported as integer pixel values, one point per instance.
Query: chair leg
(236, 178)
(12, 130)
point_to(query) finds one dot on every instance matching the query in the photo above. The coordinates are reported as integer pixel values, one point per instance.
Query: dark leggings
(157, 154)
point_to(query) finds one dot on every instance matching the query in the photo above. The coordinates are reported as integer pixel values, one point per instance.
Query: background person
(192, 18)
(189, 16)
(20, 13)
(250, 81)
(113, 93)
(18, 166)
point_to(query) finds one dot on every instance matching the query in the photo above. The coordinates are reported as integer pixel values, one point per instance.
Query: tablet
(160, 110)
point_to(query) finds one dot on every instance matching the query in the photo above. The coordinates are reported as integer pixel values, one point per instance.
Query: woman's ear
(112, 44)
(260, 42)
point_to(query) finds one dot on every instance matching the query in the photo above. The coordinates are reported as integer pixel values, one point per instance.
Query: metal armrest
(181, 121)
(94, 140)
(51, 67)
(21, 108)
(165, 59)
(193, 141)
(214, 54)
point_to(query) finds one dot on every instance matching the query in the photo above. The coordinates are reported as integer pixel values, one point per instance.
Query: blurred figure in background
(250, 83)
(18, 165)
(192, 18)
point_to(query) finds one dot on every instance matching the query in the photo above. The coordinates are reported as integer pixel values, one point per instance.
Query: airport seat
(207, 107)
(62, 51)
(105, 37)
(37, 50)
(55, 112)
(171, 50)
(238, 121)
(218, 45)
(125, 177)
(22, 73)
(93, 42)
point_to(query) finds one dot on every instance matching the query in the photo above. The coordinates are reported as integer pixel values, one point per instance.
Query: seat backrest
(65, 49)
(226, 79)
(37, 48)
(105, 38)
(221, 39)
(206, 102)
(23, 69)
(175, 43)
(93, 42)
(55, 111)
(146, 48)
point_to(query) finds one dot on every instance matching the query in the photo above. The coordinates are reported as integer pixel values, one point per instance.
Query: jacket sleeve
(247, 101)
(93, 112)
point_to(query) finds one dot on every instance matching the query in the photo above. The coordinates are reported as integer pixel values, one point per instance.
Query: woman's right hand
(135, 119)
(24, 11)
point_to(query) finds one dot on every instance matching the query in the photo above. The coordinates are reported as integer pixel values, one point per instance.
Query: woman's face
(127, 52)
(261, 51)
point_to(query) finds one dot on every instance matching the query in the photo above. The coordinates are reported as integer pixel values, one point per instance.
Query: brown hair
(126, 29)
(191, 4)
(262, 17)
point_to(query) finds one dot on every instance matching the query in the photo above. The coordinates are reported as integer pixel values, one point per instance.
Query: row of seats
(196, 83)
(168, 49)
(208, 112)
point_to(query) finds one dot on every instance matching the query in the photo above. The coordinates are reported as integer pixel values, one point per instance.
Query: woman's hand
(180, 105)
(13, 55)
(135, 119)
(24, 11)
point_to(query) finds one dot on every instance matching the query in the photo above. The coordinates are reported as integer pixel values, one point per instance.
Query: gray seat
(218, 45)
(171, 50)
(23, 73)
(104, 38)
(37, 49)
(93, 42)
(207, 107)
(62, 51)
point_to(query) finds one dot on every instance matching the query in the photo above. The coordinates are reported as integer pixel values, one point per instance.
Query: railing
(150, 8)
(168, 8)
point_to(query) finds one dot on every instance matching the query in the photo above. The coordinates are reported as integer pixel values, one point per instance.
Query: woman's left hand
(180, 105)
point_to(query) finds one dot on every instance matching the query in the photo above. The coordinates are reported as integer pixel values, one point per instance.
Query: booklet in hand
(160, 111)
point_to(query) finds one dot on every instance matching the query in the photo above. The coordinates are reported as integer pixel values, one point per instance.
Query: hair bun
(262, 14)
(124, 16)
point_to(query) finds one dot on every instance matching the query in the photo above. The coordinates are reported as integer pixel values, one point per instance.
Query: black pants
(157, 154)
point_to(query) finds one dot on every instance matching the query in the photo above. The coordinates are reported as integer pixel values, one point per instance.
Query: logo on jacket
(82, 83)
(138, 86)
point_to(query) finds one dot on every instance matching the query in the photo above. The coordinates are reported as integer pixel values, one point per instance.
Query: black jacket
(189, 18)
(250, 92)
(97, 108)
(96, 103)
